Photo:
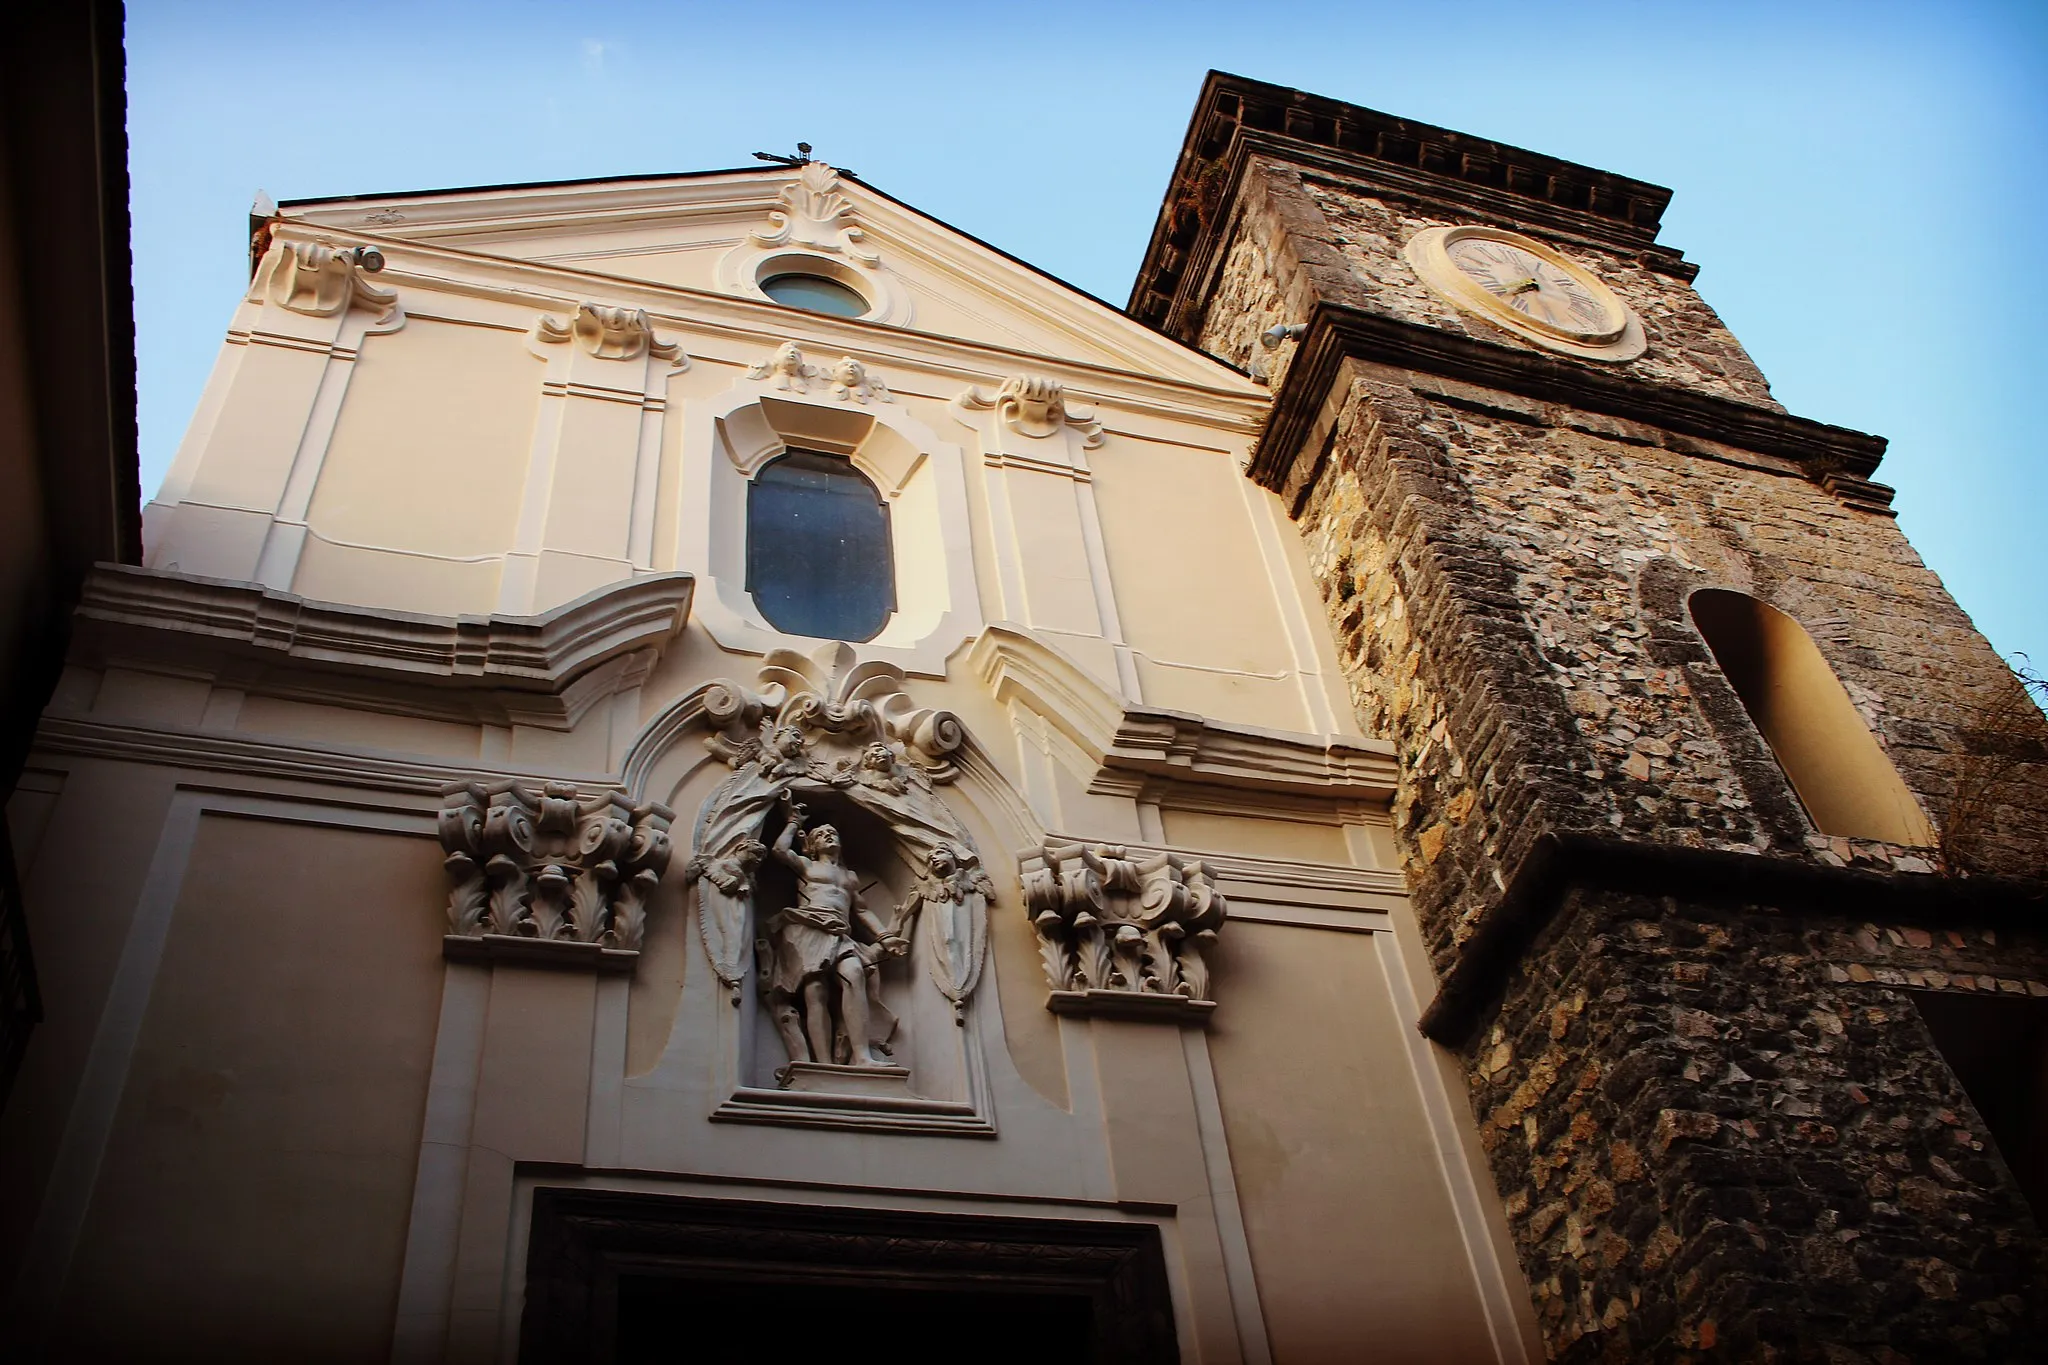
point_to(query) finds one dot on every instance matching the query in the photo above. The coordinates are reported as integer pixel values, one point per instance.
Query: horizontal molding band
(1289, 458)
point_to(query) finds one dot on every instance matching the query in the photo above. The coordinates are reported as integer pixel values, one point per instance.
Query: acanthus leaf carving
(550, 866)
(1035, 407)
(1123, 932)
(830, 725)
(322, 281)
(815, 213)
(609, 333)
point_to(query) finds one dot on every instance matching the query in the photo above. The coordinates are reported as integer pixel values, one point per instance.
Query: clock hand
(1521, 286)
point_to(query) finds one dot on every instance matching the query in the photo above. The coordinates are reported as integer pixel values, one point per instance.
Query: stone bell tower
(1722, 822)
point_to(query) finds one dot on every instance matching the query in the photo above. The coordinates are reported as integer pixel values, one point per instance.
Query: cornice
(749, 323)
(740, 197)
(1290, 453)
(1559, 862)
(1136, 747)
(543, 671)
(1235, 118)
(419, 781)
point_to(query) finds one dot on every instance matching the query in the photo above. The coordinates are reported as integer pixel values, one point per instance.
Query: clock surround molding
(1429, 254)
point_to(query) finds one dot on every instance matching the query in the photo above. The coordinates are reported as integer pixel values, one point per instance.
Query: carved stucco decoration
(609, 333)
(1035, 407)
(787, 368)
(847, 379)
(851, 379)
(832, 725)
(322, 281)
(815, 214)
(550, 873)
(1122, 932)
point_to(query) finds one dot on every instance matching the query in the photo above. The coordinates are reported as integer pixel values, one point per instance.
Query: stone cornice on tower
(1291, 450)
(1236, 118)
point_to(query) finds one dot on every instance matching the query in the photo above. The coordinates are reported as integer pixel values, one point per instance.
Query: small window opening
(1998, 1050)
(819, 560)
(1834, 763)
(816, 294)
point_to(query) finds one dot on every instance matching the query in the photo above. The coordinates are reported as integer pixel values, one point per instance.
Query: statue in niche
(822, 980)
(833, 726)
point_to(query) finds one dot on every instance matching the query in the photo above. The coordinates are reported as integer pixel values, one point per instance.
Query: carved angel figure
(787, 368)
(851, 379)
(725, 888)
(953, 897)
(879, 769)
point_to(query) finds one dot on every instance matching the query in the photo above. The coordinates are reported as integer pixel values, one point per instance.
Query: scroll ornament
(1035, 407)
(551, 866)
(829, 725)
(1121, 931)
(322, 281)
(609, 333)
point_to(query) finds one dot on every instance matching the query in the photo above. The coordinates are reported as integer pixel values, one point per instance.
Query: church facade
(706, 762)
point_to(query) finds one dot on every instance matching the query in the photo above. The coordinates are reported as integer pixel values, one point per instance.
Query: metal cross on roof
(803, 157)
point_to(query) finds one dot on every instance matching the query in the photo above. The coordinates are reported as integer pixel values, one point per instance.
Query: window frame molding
(728, 439)
(743, 269)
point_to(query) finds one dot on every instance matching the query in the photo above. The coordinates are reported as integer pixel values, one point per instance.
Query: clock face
(1528, 288)
(1538, 290)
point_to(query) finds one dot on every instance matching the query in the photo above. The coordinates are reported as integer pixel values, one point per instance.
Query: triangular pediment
(725, 232)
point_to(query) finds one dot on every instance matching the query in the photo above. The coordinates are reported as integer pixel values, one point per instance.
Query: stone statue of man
(824, 982)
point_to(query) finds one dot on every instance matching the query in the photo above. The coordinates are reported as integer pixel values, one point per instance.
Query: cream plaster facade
(477, 516)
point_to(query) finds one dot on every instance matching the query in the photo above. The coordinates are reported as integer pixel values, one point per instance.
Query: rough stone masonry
(1715, 1109)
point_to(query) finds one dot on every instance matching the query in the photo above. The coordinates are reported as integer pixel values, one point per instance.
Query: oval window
(819, 562)
(816, 294)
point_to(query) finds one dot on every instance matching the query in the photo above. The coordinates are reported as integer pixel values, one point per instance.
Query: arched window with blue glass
(819, 559)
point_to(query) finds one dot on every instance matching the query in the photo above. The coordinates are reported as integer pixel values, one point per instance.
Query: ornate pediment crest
(1035, 407)
(815, 213)
(833, 730)
(608, 333)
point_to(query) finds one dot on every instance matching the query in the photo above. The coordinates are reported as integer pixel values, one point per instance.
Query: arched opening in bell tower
(1842, 776)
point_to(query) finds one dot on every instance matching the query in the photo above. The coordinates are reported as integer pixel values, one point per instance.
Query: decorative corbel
(322, 281)
(1124, 931)
(609, 333)
(549, 877)
(1035, 407)
(815, 214)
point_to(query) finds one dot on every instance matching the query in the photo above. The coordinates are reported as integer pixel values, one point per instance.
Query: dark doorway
(714, 1322)
(614, 1278)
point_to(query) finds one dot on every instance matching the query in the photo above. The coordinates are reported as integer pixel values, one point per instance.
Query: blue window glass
(819, 561)
(815, 294)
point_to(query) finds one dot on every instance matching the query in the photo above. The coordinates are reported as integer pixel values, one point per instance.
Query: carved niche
(837, 732)
(1123, 932)
(608, 333)
(550, 877)
(322, 281)
(1035, 407)
(815, 214)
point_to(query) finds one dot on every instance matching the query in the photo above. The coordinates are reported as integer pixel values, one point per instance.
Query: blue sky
(1861, 183)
